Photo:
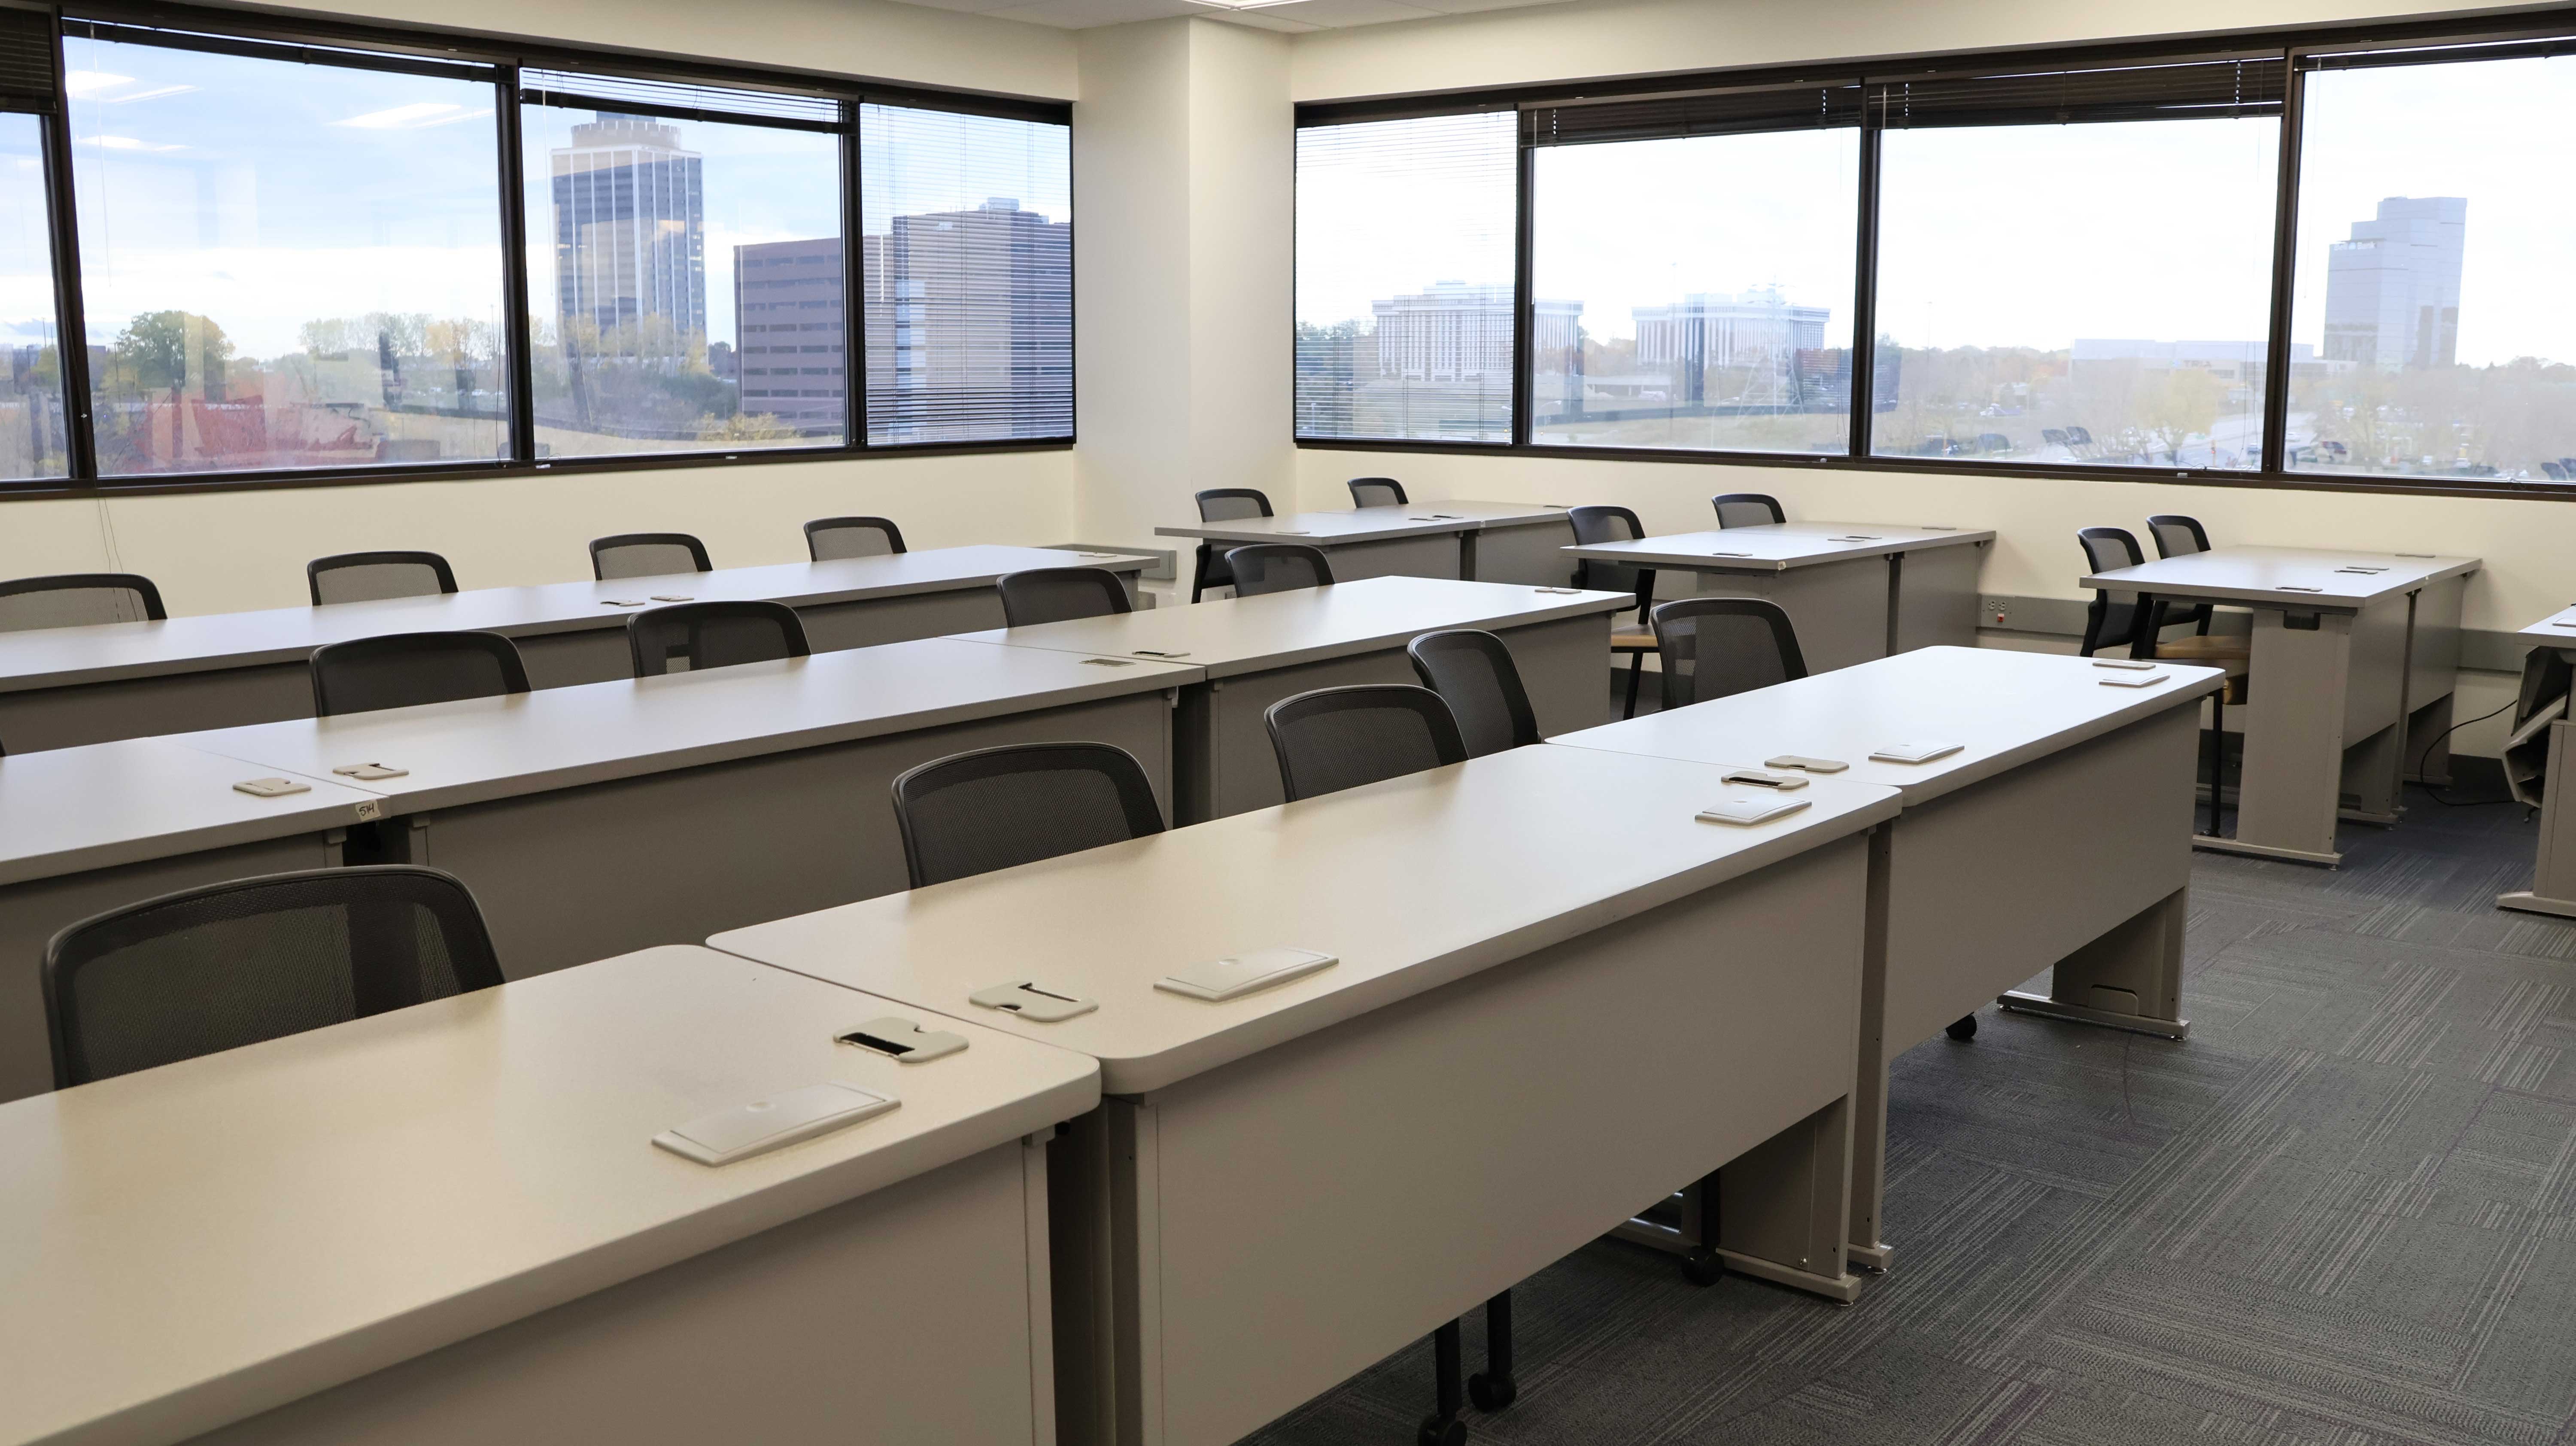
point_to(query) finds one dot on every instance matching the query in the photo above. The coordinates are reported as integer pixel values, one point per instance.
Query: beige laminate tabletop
(189, 1245)
(1411, 882)
(1251, 634)
(1487, 515)
(2558, 630)
(1324, 529)
(486, 748)
(60, 657)
(2299, 577)
(1777, 546)
(67, 810)
(2006, 707)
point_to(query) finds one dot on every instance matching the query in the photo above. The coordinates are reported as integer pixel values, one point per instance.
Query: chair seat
(1632, 640)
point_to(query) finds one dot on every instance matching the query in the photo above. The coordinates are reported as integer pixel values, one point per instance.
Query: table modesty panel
(1938, 597)
(447, 1223)
(1840, 609)
(60, 687)
(567, 874)
(1283, 1222)
(1524, 550)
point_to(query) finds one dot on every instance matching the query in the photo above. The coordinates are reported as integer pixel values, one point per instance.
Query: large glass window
(967, 248)
(285, 264)
(32, 441)
(2091, 293)
(1695, 292)
(2435, 314)
(1405, 285)
(685, 278)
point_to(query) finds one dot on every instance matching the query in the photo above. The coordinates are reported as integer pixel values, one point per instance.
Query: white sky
(2017, 235)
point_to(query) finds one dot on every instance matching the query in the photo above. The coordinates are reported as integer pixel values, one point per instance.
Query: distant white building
(1718, 329)
(2237, 363)
(1456, 331)
(2393, 290)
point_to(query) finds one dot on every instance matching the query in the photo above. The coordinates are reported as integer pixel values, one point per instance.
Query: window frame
(362, 46)
(2431, 41)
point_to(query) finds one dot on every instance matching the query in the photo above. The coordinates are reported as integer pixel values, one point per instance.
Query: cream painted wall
(219, 551)
(1182, 146)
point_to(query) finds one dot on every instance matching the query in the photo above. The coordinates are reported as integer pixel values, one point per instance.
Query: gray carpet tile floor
(2344, 1211)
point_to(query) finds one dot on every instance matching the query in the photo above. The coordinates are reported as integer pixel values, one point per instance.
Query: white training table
(2536, 754)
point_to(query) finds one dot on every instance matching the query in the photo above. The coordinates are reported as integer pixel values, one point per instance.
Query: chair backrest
(403, 670)
(831, 538)
(2113, 617)
(689, 637)
(1054, 594)
(1262, 567)
(1746, 509)
(2177, 535)
(647, 554)
(372, 576)
(1337, 738)
(1377, 492)
(972, 813)
(1474, 674)
(1716, 647)
(229, 964)
(1594, 525)
(78, 599)
(1232, 504)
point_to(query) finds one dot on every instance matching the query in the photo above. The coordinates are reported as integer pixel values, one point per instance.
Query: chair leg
(1198, 575)
(1442, 1427)
(1494, 1388)
(1636, 673)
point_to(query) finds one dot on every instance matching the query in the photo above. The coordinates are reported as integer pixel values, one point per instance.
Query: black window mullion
(519, 307)
(1864, 338)
(2285, 237)
(71, 326)
(1524, 293)
(854, 288)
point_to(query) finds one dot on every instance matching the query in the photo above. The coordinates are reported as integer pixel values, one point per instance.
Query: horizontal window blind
(662, 97)
(26, 61)
(1770, 108)
(967, 276)
(2155, 90)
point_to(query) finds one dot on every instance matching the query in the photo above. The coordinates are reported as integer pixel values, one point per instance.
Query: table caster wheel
(1702, 1266)
(1492, 1393)
(1964, 1029)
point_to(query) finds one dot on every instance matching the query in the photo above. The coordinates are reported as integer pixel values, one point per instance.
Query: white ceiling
(1297, 16)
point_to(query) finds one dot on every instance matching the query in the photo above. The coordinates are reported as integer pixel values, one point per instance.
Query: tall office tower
(788, 304)
(2393, 290)
(1758, 331)
(982, 324)
(1457, 331)
(630, 227)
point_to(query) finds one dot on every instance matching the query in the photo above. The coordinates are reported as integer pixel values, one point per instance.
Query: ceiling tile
(1337, 13)
(1268, 17)
(1084, 14)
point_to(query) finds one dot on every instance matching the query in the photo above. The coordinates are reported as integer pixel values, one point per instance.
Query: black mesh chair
(1746, 509)
(374, 576)
(1634, 637)
(2114, 616)
(78, 599)
(1222, 504)
(647, 554)
(1262, 567)
(230, 964)
(1474, 674)
(1378, 492)
(1054, 594)
(972, 813)
(832, 538)
(1337, 738)
(690, 637)
(404, 670)
(1716, 647)
(2180, 536)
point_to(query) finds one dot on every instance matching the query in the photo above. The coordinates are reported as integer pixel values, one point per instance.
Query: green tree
(168, 348)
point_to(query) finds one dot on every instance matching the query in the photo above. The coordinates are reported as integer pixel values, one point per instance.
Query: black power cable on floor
(2434, 793)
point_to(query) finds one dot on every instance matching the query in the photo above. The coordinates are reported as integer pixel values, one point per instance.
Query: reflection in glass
(285, 265)
(31, 371)
(2092, 293)
(1714, 277)
(968, 260)
(686, 284)
(2432, 300)
(1404, 278)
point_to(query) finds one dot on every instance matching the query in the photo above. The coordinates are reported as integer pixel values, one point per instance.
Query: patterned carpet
(2343, 1212)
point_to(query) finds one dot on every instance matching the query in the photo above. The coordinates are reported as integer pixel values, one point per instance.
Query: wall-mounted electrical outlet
(1998, 612)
